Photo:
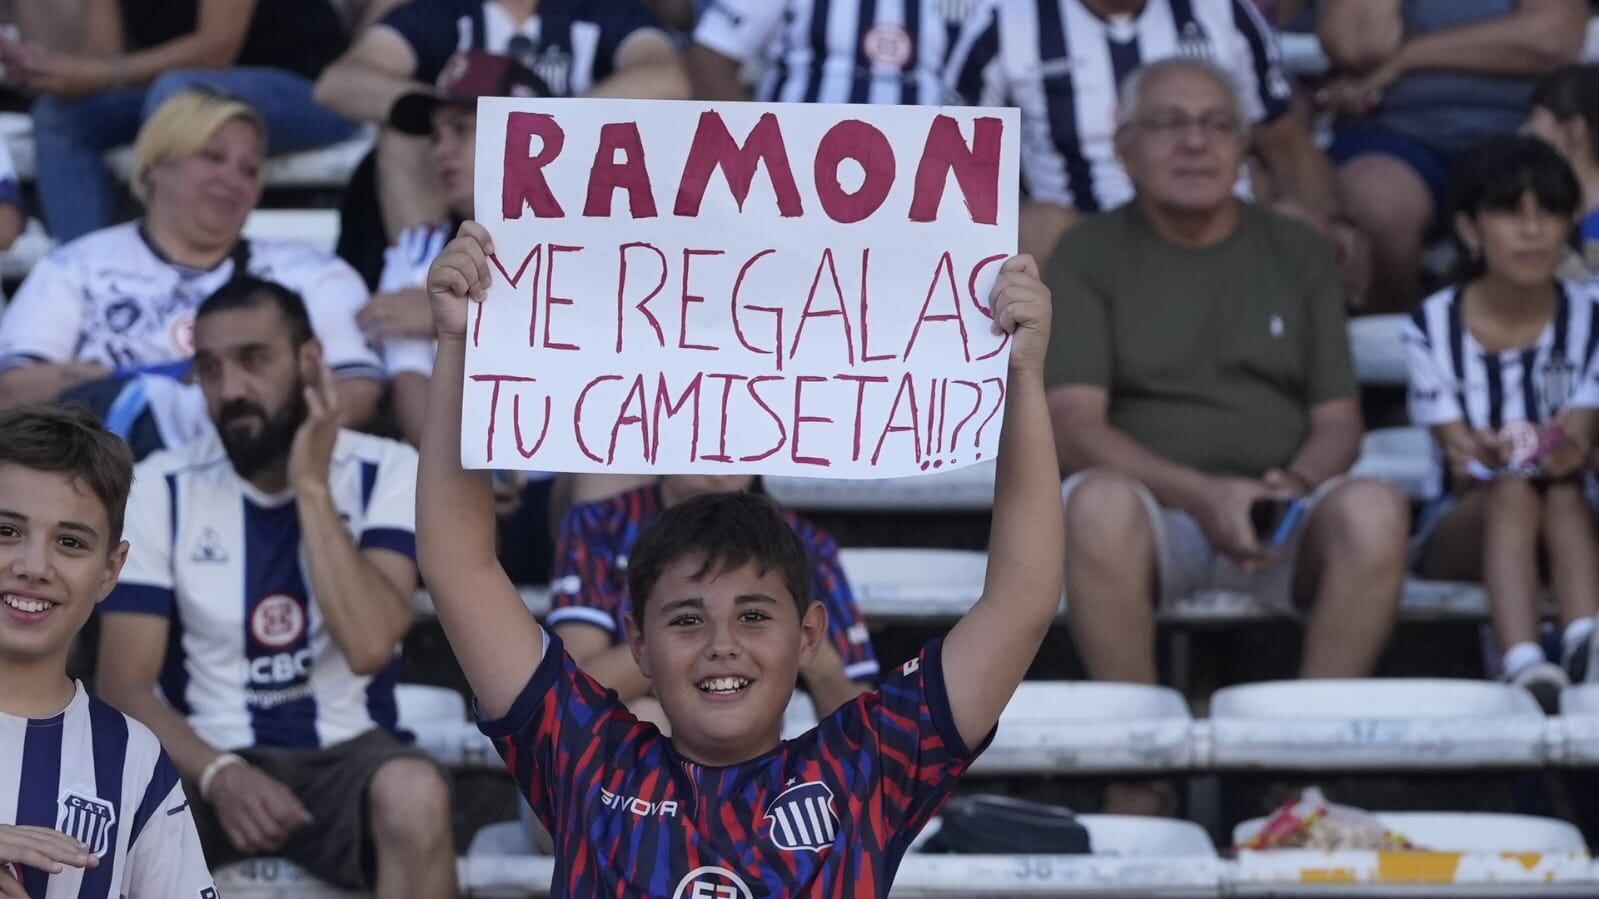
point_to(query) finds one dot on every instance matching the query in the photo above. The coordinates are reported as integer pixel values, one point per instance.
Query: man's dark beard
(251, 454)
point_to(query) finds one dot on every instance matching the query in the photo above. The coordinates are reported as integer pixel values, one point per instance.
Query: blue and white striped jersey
(572, 45)
(110, 297)
(250, 660)
(1063, 66)
(1453, 378)
(840, 51)
(100, 777)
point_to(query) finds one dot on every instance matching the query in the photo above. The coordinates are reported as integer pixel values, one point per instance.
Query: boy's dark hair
(247, 291)
(69, 439)
(1494, 175)
(1572, 92)
(727, 530)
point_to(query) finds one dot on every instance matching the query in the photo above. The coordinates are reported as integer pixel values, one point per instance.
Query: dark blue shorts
(1430, 164)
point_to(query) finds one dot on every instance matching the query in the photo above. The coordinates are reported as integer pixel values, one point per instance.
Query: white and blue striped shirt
(250, 659)
(112, 298)
(1063, 66)
(100, 777)
(840, 51)
(1453, 378)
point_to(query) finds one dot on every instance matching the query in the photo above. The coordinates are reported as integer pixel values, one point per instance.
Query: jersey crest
(801, 818)
(86, 819)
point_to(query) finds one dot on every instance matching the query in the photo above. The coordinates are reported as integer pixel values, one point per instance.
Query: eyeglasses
(1171, 125)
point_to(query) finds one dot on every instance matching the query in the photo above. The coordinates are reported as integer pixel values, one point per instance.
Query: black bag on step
(999, 825)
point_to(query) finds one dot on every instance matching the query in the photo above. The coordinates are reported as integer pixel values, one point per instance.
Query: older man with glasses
(1205, 407)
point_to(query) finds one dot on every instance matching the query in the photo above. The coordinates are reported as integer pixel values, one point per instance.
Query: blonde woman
(121, 300)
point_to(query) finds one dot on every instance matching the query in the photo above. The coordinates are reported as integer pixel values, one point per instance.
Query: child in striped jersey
(1503, 369)
(722, 622)
(90, 805)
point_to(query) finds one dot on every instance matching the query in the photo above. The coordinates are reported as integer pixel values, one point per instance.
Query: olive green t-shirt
(1213, 357)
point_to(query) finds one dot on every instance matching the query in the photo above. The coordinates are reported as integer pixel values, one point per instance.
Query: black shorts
(337, 845)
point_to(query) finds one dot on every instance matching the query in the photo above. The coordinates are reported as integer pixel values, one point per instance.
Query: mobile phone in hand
(1274, 519)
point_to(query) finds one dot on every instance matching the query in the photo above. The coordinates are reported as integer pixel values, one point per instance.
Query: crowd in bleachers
(1208, 221)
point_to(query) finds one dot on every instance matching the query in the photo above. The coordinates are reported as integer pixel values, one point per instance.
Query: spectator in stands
(590, 608)
(1565, 113)
(399, 317)
(1063, 61)
(1420, 81)
(1201, 366)
(136, 54)
(122, 300)
(579, 48)
(886, 53)
(266, 594)
(1504, 371)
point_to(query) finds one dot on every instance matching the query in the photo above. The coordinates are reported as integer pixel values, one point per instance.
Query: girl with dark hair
(1502, 369)
(1565, 113)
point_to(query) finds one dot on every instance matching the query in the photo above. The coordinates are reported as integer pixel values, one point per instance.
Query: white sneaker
(1544, 680)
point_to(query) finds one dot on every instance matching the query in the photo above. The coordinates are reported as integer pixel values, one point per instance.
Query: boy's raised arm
(493, 634)
(989, 650)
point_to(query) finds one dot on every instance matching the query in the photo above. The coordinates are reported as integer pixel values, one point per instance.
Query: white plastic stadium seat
(1460, 854)
(1579, 724)
(274, 878)
(1379, 354)
(1379, 724)
(437, 717)
(1404, 457)
(969, 489)
(501, 863)
(1081, 727)
(420, 704)
(914, 584)
(1132, 856)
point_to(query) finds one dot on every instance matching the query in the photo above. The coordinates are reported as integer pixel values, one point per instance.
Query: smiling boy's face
(723, 650)
(57, 560)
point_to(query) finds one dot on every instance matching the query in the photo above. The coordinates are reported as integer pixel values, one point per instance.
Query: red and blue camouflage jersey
(589, 584)
(830, 813)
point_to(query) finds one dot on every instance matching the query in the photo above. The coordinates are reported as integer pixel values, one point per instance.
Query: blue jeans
(72, 136)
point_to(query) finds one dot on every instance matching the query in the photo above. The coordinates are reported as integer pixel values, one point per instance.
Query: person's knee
(1513, 498)
(1384, 191)
(1106, 520)
(410, 807)
(1371, 518)
(175, 81)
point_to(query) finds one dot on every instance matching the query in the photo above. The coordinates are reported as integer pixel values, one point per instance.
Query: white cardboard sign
(794, 289)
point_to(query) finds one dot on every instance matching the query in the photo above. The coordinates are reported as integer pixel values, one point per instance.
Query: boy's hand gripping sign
(739, 287)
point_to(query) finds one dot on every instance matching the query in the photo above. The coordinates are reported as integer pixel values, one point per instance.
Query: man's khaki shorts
(1185, 562)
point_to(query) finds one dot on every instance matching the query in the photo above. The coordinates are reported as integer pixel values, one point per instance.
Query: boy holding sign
(724, 807)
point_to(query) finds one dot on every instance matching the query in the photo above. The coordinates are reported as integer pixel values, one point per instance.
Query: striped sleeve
(587, 585)
(919, 750)
(164, 855)
(846, 625)
(1431, 396)
(974, 72)
(560, 728)
(1267, 90)
(389, 493)
(146, 585)
(739, 29)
